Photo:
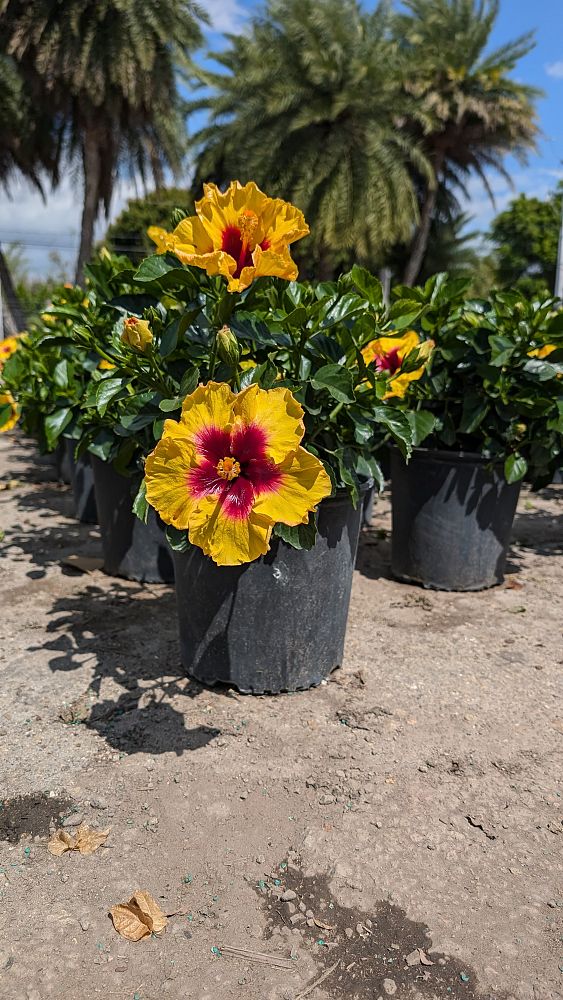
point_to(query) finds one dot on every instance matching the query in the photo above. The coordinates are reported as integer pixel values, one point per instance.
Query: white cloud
(226, 15)
(555, 70)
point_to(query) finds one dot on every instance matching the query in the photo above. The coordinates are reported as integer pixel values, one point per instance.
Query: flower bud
(178, 215)
(136, 333)
(227, 346)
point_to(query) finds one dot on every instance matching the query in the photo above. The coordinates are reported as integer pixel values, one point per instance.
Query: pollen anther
(228, 468)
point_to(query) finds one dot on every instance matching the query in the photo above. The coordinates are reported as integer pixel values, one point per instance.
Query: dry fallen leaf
(424, 960)
(138, 918)
(85, 564)
(85, 841)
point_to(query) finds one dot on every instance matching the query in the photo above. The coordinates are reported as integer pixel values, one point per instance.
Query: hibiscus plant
(255, 389)
(43, 376)
(494, 383)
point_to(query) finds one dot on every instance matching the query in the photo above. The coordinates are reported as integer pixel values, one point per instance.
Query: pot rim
(451, 457)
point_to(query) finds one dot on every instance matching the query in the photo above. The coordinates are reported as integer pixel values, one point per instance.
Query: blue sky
(41, 228)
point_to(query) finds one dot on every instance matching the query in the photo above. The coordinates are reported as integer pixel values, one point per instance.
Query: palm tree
(27, 148)
(107, 70)
(477, 112)
(307, 104)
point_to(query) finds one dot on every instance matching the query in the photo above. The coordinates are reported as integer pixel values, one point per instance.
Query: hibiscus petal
(166, 476)
(210, 406)
(277, 414)
(304, 482)
(229, 541)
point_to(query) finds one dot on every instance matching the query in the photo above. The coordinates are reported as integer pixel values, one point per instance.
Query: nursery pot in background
(452, 519)
(82, 482)
(132, 549)
(276, 624)
(62, 460)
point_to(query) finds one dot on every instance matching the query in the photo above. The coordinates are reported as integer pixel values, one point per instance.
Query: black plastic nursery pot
(132, 549)
(452, 519)
(276, 624)
(82, 482)
(61, 457)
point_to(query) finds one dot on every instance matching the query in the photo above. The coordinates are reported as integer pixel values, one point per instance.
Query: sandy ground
(411, 803)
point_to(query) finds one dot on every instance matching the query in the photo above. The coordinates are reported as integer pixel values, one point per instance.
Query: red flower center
(389, 362)
(233, 467)
(238, 241)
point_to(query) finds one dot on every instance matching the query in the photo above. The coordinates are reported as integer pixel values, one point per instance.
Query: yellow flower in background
(542, 352)
(232, 468)
(8, 347)
(387, 355)
(136, 333)
(105, 366)
(241, 234)
(9, 413)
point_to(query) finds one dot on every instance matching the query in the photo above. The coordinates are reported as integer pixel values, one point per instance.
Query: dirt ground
(409, 810)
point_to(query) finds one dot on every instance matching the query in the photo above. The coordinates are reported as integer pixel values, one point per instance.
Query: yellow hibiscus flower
(387, 355)
(241, 234)
(232, 468)
(136, 333)
(8, 347)
(9, 412)
(542, 352)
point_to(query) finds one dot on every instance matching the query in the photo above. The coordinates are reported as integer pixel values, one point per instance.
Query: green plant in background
(494, 384)
(127, 234)
(47, 376)
(525, 238)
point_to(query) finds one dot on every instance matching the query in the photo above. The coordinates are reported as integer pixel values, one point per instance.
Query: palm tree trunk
(15, 316)
(92, 175)
(419, 244)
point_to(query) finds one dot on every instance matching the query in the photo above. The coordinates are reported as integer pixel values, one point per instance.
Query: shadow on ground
(126, 633)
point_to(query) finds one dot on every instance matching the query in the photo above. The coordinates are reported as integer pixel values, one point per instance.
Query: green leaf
(61, 374)
(140, 503)
(106, 390)
(398, 424)
(475, 409)
(164, 269)
(177, 540)
(337, 380)
(55, 424)
(303, 536)
(502, 350)
(422, 424)
(367, 284)
(515, 468)
(168, 405)
(169, 339)
(189, 382)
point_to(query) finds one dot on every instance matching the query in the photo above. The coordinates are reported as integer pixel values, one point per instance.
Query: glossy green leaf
(337, 380)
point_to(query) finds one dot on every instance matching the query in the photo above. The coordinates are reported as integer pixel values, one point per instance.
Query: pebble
(326, 800)
(302, 906)
(349, 932)
(310, 922)
(297, 918)
(75, 820)
(288, 895)
(389, 987)
(309, 913)
(290, 908)
(84, 924)
(244, 795)
(98, 803)
(413, 958)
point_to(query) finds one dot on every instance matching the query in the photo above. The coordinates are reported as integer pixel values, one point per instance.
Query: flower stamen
(248, 223)
(228, 468)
